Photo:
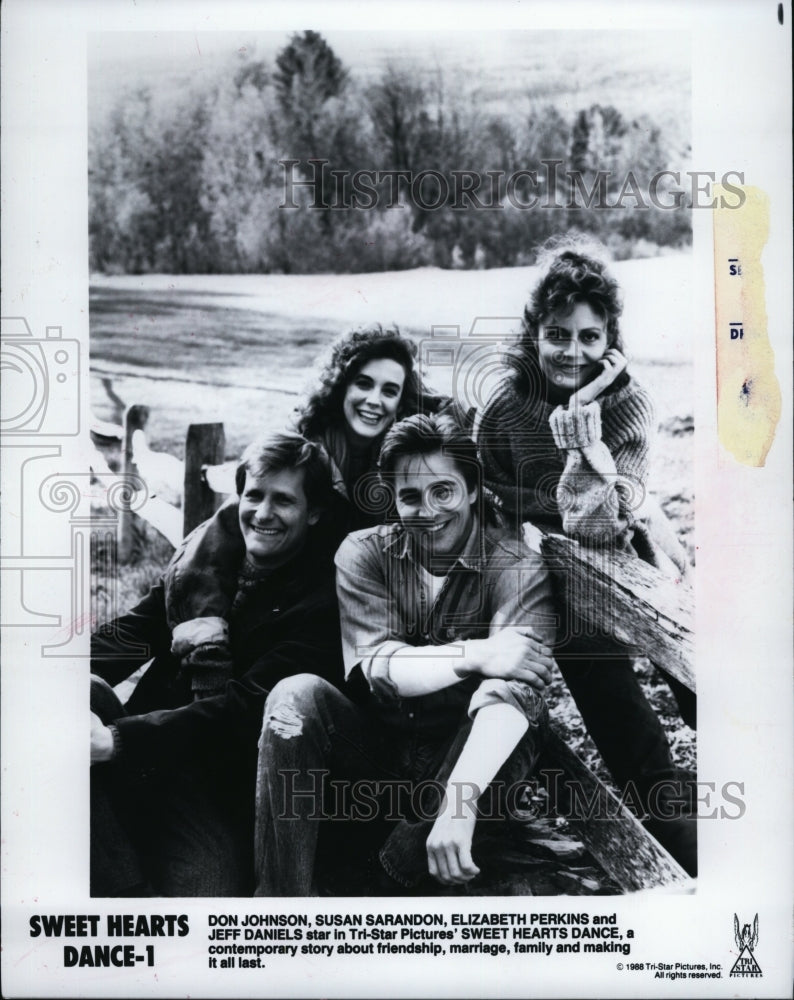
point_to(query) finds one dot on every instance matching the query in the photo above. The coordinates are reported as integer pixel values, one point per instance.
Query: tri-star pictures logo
(746, 940)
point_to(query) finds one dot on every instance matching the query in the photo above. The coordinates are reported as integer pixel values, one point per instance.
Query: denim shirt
(384, 606)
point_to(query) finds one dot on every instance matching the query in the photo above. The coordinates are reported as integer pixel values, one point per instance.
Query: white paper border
(741, 104)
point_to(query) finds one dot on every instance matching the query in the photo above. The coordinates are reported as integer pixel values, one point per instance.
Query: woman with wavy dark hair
(568, 418)
(369, 379)
(566, 440)
(565, 445)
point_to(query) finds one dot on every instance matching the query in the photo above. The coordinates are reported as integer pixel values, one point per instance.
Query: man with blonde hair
(173, 770)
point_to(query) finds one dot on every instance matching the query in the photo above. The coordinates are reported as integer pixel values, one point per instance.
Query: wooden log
(616, 838)
(205, 446)
(135, 419)
(641, 610)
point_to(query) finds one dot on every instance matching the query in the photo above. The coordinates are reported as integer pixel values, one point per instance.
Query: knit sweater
(583, 471)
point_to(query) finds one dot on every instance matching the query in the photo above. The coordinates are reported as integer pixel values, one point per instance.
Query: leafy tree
(308, 77)
(307, 74)
(240, 174)
(185, 177)
(252, 73)
(122, 218)
(397, 108)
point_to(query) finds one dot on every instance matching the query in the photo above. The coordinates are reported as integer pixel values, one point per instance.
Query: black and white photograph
(363, 166)
(396, 431)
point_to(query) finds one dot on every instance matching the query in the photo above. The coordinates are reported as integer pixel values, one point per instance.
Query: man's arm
(202, 574)
(371, 638)
(519, 597)
(122, 645)
(307, 642)
(507, 655)
(494, 735)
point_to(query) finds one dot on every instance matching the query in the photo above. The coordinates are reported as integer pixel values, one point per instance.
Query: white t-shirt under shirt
(433, 585)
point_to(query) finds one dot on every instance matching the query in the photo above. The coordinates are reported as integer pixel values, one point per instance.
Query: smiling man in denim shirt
(449, 622)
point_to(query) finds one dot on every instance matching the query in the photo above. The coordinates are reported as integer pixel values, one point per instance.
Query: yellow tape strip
(748, 392)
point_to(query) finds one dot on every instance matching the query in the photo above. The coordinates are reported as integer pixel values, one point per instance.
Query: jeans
(173, 833)
(312, 733)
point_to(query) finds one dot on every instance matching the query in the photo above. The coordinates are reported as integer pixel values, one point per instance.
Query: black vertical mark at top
(780, 13)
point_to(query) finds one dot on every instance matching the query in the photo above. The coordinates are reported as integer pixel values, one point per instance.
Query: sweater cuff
(576, 428)
(209, 667)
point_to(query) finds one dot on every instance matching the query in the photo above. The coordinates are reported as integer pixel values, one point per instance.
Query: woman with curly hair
(566, 439)
(565, 445)
(369, 380)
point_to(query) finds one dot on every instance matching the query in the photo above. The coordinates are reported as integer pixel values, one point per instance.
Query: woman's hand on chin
(614, 364)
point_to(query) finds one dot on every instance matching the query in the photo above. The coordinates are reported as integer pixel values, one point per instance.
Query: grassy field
(245, 344)
(240, 350)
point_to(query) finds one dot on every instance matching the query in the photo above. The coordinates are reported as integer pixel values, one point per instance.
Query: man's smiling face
(274, 517)
(434, 503)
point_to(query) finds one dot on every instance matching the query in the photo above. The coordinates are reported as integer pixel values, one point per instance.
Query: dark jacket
(283, 624)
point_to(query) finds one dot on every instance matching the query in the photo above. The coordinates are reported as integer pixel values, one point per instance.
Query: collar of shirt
(473, 556)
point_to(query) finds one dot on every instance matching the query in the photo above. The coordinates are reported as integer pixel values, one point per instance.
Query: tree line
(255, 172)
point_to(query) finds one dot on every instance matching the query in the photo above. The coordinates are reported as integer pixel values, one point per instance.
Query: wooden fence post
(135, 419)
(205, 446)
